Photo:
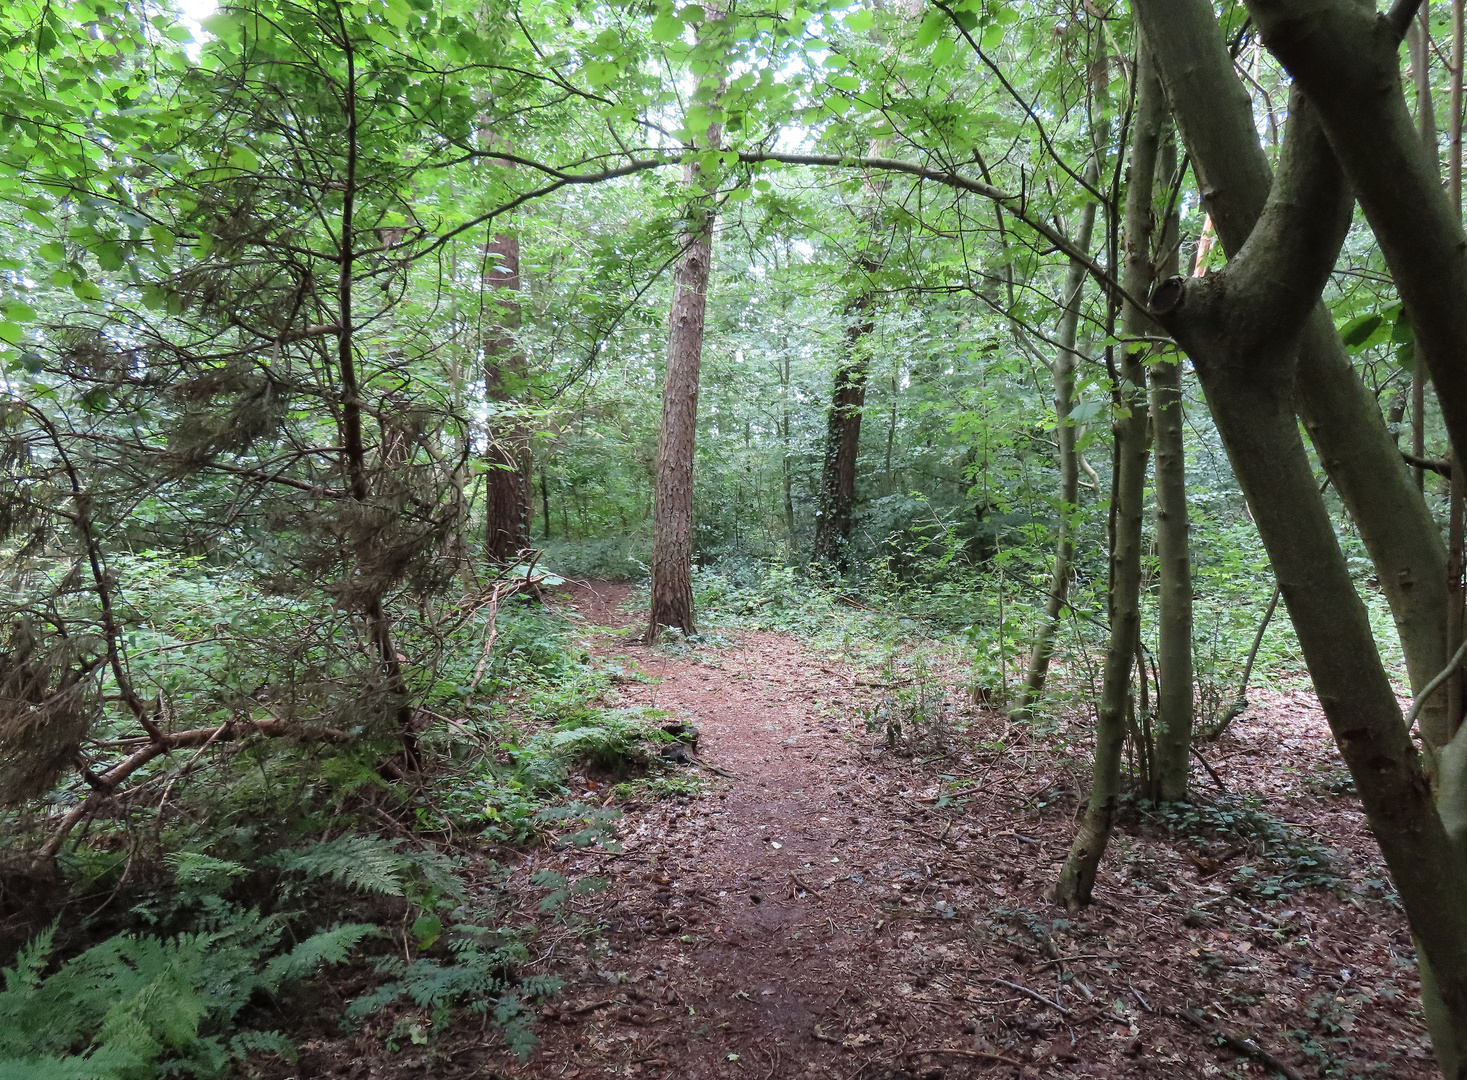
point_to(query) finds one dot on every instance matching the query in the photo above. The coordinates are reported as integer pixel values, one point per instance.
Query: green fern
(481, 974)
(368, 863)
(373, 865)
(135, 1005)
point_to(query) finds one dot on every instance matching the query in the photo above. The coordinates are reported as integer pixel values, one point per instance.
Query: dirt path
(820, 914)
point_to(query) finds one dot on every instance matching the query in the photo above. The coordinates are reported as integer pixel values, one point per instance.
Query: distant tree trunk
(672, 518)
(843, 435)
(1077, 877)
(1174, 633)
(1063, 369)
(843, 421)
(786, 462)
(507, 481)
(545, 500)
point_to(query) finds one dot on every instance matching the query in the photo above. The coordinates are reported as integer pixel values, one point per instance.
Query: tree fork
(1239, 326)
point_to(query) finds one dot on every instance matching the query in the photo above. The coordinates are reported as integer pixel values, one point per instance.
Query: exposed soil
(824, 912)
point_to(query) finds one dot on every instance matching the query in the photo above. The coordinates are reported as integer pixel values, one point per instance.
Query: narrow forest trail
(817, 913)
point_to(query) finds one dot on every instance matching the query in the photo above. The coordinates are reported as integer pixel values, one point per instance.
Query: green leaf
(931, 29)
(19, 311)
(992, 37)
(1403, 333)
(666, 28)
(11, 334)
(858, 22)
(1355, 332)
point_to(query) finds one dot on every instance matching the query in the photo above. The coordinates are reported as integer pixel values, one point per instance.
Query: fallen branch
(714, 769)
(1244, 1045)
(1210, 770)
(981, 1055)
(1034, 994)
(105, 784)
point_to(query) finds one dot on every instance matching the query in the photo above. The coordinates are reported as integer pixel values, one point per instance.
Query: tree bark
(1077, 876)
(1420, 49)
(1063, 369)
(843, 433)
(843, 421)
(1239, 327)
(1215, 118)
(1172, 761)
(507, 481)
(672, 517)
(1346, 58)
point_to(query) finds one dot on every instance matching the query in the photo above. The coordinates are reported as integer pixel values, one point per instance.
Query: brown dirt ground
(819, 914)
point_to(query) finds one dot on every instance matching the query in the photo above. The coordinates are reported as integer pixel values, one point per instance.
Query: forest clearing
(841, 538)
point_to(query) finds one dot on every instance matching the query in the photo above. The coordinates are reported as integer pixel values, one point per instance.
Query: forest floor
(829, 908)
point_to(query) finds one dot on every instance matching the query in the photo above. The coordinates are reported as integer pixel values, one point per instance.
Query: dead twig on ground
(1245, 1045)
(1034, 994)
(980, 1055)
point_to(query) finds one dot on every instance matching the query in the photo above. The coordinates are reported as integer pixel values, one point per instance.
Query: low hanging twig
(1240, 703)
(1432, 687)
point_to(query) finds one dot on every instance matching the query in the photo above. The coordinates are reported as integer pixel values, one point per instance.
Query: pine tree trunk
(672, 517)
(1174, 631)
(507, 482)
(1063, 369)
(1077, 877)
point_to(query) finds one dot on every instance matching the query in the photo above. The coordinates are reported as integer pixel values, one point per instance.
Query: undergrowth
(178, 924)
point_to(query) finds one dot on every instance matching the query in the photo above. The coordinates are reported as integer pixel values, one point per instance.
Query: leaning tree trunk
(1063, 369)
(1215, 117)
(672, 518)
(1077, 876)
(1239, 327)
(507, 480)
(1174, 618)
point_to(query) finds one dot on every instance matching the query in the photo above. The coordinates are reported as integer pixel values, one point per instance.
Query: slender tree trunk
(1063, 369)
(1174, 637)
(843, 421)
(378, 623)
(507, 488)
(786, 461)
(1077, 877)
(1419, 41)
(672, 520)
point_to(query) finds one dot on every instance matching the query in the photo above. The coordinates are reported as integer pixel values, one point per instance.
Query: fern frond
(368, 863)
(328, 947)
